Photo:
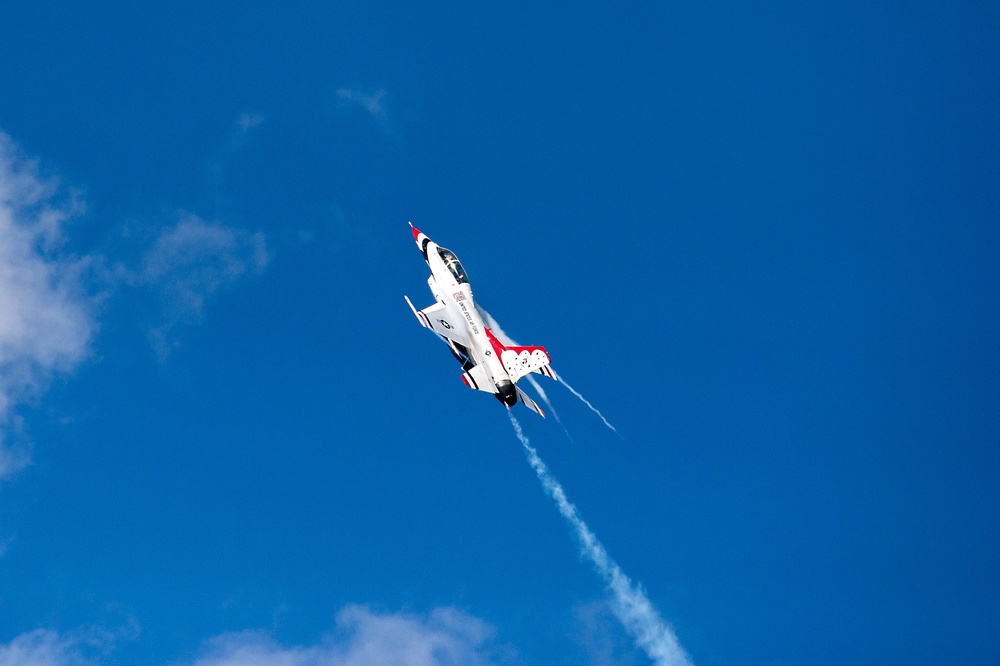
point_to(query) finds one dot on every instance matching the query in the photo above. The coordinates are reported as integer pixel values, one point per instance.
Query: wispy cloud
(601, 638)
(371, 102)
(250, 119)
(12, 458)
(189, 262)
(629, 603)
(46, 316)
(44, 647)
(444, 637)
(48, 297)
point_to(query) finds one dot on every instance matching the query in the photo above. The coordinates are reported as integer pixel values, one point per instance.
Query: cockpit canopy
(453, 265)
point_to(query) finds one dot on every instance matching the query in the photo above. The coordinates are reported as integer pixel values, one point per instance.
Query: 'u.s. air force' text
(468, 318)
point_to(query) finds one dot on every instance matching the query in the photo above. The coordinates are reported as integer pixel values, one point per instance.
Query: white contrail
(636, 613)
(507, 340)
(587, 402)
(545, 398)
(548, 403)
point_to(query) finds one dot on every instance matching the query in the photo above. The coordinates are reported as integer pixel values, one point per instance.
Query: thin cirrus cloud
(47, 317)
(370, 102)
(249, 120)
(49, 296)
(45, 647)
(444, 637)
(186, 264)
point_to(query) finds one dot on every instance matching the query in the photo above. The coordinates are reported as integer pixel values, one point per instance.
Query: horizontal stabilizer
(528, 402)
(475, 378)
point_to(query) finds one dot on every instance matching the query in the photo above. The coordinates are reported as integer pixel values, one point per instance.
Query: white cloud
(47, 314)
(12, 459)
(444, 637)
(601, 639)
(44, 647)
(46, 322)
(189, 262)
(372, 103)
(250, 119)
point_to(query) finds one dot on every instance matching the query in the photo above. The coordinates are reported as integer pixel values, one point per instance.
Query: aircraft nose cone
(416, 232)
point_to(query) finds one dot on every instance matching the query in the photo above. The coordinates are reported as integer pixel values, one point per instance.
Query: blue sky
(762, 238)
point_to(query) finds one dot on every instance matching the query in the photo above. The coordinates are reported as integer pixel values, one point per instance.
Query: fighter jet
(490, 361)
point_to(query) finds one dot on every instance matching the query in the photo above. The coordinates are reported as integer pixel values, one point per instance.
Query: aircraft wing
(439, 319)
(517, 359)
(475, 378)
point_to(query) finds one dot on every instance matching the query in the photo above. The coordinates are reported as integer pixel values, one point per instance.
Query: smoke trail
(545, 399)
(587, 402)
(636, 613)
(507, 340)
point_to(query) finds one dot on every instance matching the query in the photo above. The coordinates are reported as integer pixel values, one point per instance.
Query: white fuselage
(457, 297)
